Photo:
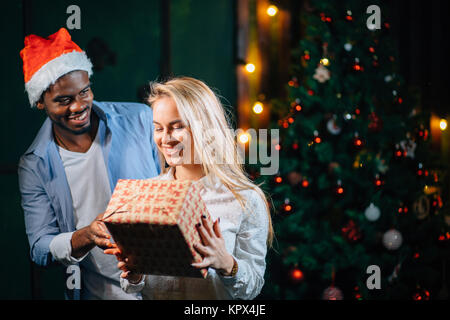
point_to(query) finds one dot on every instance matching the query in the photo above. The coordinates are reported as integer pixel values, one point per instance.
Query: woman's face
(172, 137)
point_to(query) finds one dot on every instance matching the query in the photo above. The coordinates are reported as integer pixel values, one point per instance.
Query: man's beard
(82, 130)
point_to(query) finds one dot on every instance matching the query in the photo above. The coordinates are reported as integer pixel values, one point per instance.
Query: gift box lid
(148, 201)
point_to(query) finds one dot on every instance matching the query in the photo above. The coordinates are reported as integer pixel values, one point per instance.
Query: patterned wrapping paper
(153, 223)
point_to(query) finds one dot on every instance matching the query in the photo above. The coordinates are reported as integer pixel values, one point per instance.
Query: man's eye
(64, 101)
(158, 129)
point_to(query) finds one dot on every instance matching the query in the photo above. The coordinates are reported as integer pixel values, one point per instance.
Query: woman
(195, 140)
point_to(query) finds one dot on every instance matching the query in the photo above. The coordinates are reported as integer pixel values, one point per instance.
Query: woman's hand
(122, 265)
(213, 249)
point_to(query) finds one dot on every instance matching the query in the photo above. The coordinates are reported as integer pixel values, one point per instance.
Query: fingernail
(203, 216)
(219, 219)
(198, 225)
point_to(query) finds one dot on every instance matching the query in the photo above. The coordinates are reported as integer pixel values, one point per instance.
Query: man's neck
(76, 143)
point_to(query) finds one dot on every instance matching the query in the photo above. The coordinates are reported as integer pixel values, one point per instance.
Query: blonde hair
(201, 110)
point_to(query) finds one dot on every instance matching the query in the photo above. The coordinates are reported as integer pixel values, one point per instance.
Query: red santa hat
(45, 60)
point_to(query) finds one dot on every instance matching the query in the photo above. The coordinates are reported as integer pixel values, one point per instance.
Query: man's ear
(40, 105)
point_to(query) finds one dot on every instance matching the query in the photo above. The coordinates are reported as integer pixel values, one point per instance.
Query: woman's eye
(176, 128)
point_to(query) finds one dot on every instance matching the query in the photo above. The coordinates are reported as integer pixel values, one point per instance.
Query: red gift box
(153, 223)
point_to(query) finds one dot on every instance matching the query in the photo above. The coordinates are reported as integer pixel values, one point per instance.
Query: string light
(250, 67)
(325, 61)
(244, 137)
(258, 107)
(339, 189)
(443, 124)
(272, 10)
(317, 139)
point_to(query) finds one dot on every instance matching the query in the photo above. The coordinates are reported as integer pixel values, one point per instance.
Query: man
(67, 175)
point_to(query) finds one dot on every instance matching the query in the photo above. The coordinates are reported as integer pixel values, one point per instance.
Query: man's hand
(85, 239)
(98, 234)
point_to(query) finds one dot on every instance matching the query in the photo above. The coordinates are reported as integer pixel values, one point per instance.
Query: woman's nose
(167, 137)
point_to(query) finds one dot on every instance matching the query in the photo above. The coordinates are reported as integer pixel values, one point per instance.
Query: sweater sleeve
(250, 250)
(129, 287)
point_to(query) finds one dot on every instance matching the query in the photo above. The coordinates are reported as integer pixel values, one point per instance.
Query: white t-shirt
(88, 181)
(90, 189)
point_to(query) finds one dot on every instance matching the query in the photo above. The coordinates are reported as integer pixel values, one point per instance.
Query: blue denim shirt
(126, 135)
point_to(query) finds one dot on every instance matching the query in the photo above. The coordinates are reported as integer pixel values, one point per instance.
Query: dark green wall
(201, 46)
(202, 43)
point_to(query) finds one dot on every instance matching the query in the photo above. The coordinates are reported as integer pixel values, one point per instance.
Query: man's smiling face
(68, 102)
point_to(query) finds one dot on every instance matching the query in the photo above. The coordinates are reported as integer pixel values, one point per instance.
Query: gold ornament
(421, 207)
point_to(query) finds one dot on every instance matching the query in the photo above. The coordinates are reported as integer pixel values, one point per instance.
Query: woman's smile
(176, 150)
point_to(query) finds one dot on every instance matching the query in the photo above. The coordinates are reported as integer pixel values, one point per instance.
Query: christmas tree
(357, 185)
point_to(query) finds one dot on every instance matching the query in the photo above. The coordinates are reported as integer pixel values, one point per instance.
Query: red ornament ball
(358, 142)
(296, 275)
(294, 178)
(287, 208)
